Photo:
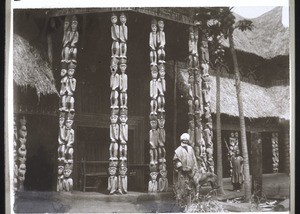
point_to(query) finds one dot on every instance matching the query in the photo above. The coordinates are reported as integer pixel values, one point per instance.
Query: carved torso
(114, 132)
(153, 135)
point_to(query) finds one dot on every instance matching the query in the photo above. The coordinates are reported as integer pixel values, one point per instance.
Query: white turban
(185, 136)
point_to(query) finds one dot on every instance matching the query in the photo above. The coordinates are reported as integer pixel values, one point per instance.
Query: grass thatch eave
(258, 102)
(29, 69)
(268, 39)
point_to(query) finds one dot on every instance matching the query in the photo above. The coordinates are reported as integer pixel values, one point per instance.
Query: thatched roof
(258, 102)
(30, 69)
(268, 39)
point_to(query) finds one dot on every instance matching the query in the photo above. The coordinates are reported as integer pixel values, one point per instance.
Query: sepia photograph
(154, 109)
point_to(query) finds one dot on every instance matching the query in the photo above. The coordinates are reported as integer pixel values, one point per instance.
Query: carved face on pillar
(231, 134)
(74, 25)
(123, 117)
(123, 170)
(112, 170)
(154, 26)
(236, 134)
(22, 169)
(161, 25)
(114, 118)
(123, 67)
(204, 44)
(114, 18)
(60, 170)
(69, 123)
(67, 172)
(71, 72)
(66, 23)
(196, 34)
(114, 66)
(161, 122)
(192, 35)
(123, 18)
(191, 125)
(153, 124)
(153, 175)
(154, 73)
(163, 173)
(162, 71)
(61, 120)
(63, 72)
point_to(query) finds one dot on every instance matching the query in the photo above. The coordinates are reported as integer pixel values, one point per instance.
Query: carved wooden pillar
(20, 165)
(122, 185)
(117, 181)
(275, 152)
(206, 84)
(15, 154)
(67, 110)
(157, 134)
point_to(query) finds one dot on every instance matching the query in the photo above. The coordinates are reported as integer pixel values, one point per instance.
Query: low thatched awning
(268, 39)
(259, 102)
(30, 69)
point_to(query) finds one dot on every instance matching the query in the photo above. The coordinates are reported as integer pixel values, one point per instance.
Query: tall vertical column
(66, 107)
(233, 148)
(22, 151)
(114, 105)
(15, 155)
(275, 152)
(122, 186)
(207, 120)
(157, 134)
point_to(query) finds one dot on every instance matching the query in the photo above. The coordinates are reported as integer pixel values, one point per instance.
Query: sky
(253, 12)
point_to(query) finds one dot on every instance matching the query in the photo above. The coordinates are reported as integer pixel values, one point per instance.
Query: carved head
(123, 67)
(22, 169)
(231, 134)
(71, 72)
(162, 71)
(61, 120)
(60, 170)
(74, 23)
(112, 170)
(153, 122)
(153, 175)
(191, 30)
(163, 173)
(161, 25)
(22, 141)
(236, 134)
(161, 122)
(67, 23)
(154, 25)
(123, 18)
(114, 65)
(67, 172)
(154, 72)
(123, 116)
(204, 44)
(123, 170)
(113, 118)
(114, 18)
(69, 123)
(196, 34)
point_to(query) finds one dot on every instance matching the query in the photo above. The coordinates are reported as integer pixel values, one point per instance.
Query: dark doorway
(41, 153)
(267, 163)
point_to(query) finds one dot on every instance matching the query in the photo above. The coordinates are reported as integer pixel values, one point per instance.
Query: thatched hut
(265, 89)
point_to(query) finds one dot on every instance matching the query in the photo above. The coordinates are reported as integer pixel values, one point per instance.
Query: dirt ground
(275, 186)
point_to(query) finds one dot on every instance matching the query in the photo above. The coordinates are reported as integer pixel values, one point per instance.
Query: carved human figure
(204, 57)
(163, 181)
(193, 52)
(153, 42)
(161, 139)
(22, 151)
(74, 36)
(69, 141)
(123, 85)
(70, 88)
(184, 159)
(191, 132)
(153, 184)
(153, 140)
(115, 35)
(114, 136)
(191, 91)
(122, 187)
(275, 152)
(112, 180)
(123, 135)
(68, 181)
(21, 173)
(114, 84)
(161, 89)
(60, 178)
(161, 42)
(198, 82)
(65, 55)
(153, 90)
(206, 88)
(63, 93)
(123, 36)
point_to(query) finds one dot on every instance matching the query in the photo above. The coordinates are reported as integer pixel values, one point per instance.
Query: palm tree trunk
(247, 182)
(219, 138)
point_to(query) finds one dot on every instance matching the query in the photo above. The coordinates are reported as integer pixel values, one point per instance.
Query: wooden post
(256, 153)
(175, 68)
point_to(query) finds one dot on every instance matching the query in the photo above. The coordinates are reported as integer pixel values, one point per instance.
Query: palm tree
(229, 27)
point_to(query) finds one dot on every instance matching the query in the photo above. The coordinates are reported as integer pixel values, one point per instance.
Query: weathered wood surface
(256, 150)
